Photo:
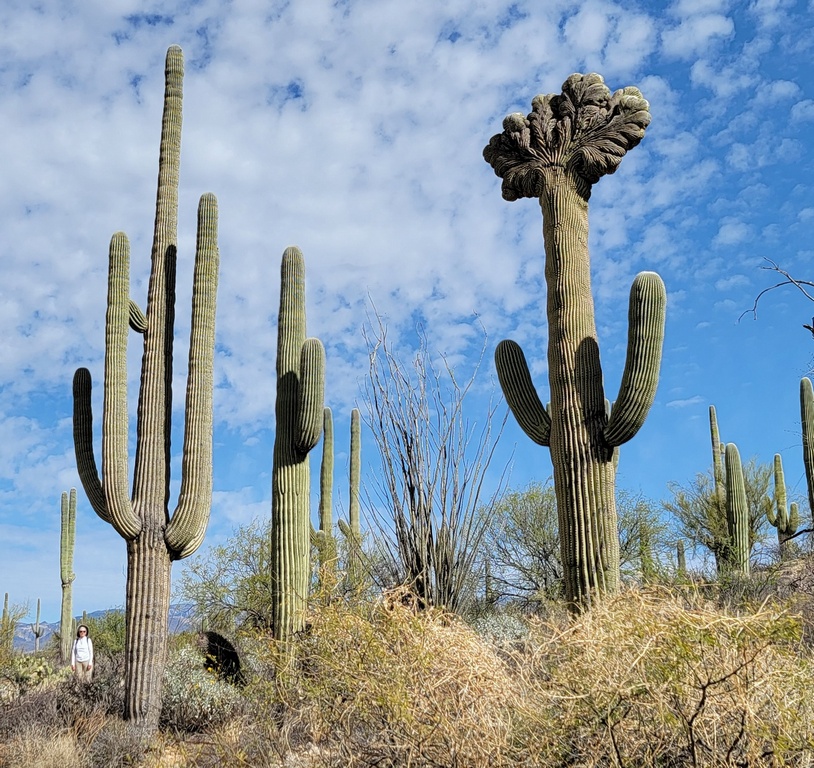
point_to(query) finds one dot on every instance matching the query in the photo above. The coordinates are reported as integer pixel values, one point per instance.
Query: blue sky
(355, 131)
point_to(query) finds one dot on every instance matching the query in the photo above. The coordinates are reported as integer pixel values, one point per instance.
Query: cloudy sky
(355, 130)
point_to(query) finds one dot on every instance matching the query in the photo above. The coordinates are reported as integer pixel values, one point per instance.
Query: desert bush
(647, 679)
(194, 697)
(385, 684)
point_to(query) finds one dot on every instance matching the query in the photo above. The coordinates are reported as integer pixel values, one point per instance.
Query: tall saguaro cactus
(807, 420)
(556, 154)
(323, 539)
(352, 530)
(737, 512)
(154, 537)
(783, 517)
(37, 629)
(67, 539)
(299, 414)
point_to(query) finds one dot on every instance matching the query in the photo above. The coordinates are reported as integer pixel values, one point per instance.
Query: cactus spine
(299, 414)
(556, 153)
(154, 538)
(737, 512)
(37, 630)
(67, 540)
(783, 518)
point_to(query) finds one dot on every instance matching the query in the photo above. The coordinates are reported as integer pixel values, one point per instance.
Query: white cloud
(732, 232)
(694, 34)
(686, 402)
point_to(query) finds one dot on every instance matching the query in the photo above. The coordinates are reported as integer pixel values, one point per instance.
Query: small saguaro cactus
(556, 154)
(154, 538)
(785, 519)
(6, 630)
(299, 414)
(737, 512)
(323, 539)
(37, 629)
(681, 559)
(352, 529)
(67, 540)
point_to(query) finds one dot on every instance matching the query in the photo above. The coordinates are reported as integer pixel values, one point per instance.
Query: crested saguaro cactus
(556, 154)
(154, 537)
(67, 539)
(299, 415)
(737, 512)
(784, 518)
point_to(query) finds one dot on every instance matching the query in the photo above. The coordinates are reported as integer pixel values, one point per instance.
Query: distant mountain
(180, 620)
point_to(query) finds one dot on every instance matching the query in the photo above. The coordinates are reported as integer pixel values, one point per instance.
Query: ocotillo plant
(556, 154)
(67, 540)
(352, 529)
(737, 512)
(299, 414)
(783, 518)
(36, 629)
(154, 537)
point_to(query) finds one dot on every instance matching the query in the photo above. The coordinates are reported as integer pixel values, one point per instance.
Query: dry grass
(651, 678)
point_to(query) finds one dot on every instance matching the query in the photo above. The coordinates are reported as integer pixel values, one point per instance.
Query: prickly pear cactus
(556, 154)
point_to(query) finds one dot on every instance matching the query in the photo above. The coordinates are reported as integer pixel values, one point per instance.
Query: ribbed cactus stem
(354, 530)
(737, 512)
(717, 460)
(681, 559)
(323, 539)
(299, 416)
(67, 540)
(155, 538)
(783, 519)
(807, 420)
(556, 154)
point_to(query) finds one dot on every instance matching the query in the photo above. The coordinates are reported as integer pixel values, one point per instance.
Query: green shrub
(193, 696)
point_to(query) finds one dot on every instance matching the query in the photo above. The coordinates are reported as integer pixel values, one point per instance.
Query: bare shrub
(647, 679)
(391, 685)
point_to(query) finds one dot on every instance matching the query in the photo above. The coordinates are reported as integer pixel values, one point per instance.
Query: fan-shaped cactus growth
(154, 537)
(555, 154)
(737, 512)
(784, 518)
(299, 412)
(67, 539)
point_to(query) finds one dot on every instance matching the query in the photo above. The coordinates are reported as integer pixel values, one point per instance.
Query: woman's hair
(81, 626)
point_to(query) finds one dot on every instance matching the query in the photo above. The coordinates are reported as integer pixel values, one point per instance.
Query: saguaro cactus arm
(83, 442)
(646, 316)
(187, 528)
(518, 389)
(310, 395)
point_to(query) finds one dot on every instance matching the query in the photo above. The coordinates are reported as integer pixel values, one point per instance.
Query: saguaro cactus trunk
(299, 412)
(555, 154)
(737, 512)
(67, 539)
(154, 538)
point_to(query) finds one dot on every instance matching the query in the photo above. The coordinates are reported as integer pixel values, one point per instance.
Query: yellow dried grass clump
(386, 685)
(648, 679)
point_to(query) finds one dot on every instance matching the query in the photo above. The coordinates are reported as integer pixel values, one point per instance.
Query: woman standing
(82, 655)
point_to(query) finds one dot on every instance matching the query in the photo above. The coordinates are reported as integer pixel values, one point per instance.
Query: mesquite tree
(556, 154)
(154, 538)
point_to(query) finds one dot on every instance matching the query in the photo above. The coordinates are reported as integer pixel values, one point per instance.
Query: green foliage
(523, 547)
(229, 585)
(107, 632)
(701, 520)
